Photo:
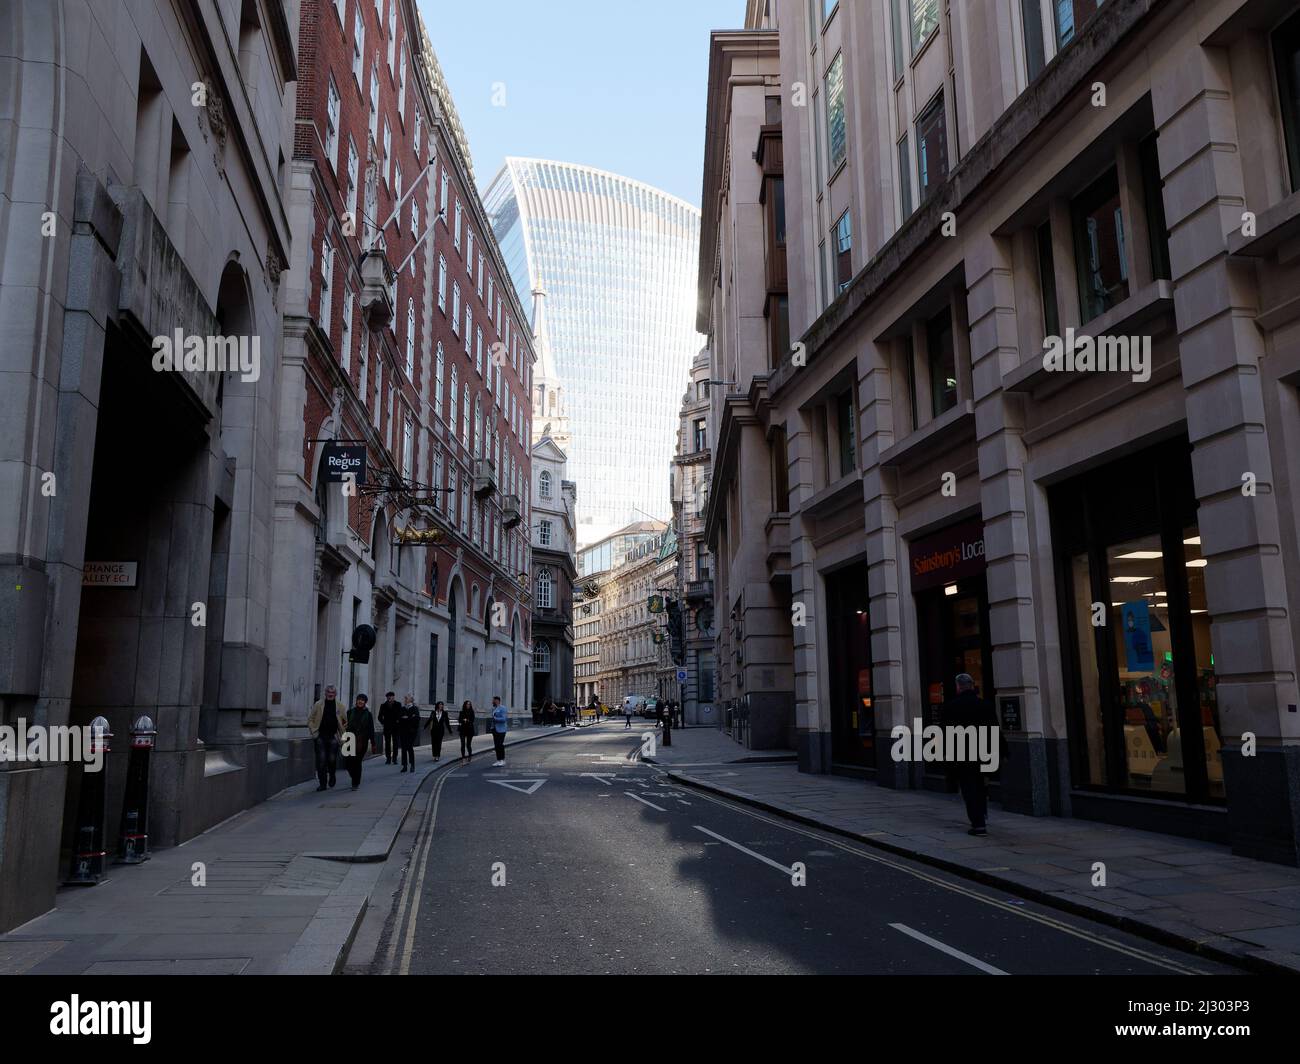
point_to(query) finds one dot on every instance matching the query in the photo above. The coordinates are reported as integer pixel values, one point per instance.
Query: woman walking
(466, 722)
(439, 725)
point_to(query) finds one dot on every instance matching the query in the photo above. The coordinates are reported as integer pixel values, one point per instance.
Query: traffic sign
(681, 675)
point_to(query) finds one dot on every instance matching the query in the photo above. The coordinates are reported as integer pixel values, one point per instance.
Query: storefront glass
(853, 720)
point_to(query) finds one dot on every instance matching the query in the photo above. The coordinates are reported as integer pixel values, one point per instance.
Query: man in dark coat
(967, 710)
(389, 712)
(360, 736)
(439, 726)
(408, 730)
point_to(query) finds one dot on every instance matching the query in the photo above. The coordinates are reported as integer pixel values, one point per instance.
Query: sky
(615, 84)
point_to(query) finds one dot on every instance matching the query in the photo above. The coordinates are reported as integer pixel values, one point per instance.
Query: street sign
(681, 675)
(108, 574)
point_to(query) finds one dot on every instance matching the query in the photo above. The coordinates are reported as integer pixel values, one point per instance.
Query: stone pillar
(1221, 349)
(880, 519)
(994, 352)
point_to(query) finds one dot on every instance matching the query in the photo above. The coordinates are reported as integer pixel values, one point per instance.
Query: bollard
(88, 851)
(133, 839)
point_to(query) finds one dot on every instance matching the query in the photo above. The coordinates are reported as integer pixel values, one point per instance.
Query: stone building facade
(143, 212)
(1109, 547)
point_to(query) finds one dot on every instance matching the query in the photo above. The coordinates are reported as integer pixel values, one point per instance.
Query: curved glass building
(617, 260)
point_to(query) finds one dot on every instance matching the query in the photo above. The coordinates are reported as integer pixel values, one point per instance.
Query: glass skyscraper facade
(617, 260)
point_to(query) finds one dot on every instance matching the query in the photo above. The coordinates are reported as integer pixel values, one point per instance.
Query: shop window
(931, 148)
(941, 354)
(1286, 53)
(1099, 247)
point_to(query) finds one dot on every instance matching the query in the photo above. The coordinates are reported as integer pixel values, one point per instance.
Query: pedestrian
(659, 713)
(389, 710)
(466, 722)
(325, 723)
(627, 712)
(408, 730)
(968, 710)
(360, 736)
(439, 725)
(499, 715)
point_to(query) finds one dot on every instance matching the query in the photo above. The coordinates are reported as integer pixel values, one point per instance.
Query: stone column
(994, 352)
(1221, 349)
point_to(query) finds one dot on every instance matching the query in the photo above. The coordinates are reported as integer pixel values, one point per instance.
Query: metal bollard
(133, 839)
(88, 851)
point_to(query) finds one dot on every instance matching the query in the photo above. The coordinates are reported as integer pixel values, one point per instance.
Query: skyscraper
(617, 260)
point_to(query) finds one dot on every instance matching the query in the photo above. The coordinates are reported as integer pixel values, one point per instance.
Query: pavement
(578, 857)
(279, 888)
(1195, 895)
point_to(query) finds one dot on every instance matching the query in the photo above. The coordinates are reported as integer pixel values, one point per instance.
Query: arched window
(545, 588)
(438, 368)
(544, 484)
(410, 339)
(541, 656)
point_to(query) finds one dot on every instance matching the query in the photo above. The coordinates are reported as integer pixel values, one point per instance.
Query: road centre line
(746, 849)
(644, 802)
(942, 947)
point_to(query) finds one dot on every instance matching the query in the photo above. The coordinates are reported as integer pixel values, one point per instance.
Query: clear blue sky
(615, 84)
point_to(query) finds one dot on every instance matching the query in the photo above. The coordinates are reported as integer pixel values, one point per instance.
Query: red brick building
(405, 342)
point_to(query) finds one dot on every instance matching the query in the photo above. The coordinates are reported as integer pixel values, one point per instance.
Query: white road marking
(746, 849)
(602, 777)
(644, 802)
(532, 787)
(415, 884)
(942, 947)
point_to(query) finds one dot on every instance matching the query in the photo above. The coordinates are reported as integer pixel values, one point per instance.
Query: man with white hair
(968, 710)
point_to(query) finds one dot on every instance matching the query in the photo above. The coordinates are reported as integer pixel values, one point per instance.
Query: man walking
(389, 711)
(325, 723)
(968, 710)
(499, 715)
(408, 730)
(359, 738)
(627, 712)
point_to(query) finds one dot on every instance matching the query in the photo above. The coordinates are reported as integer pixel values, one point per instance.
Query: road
(576, 857)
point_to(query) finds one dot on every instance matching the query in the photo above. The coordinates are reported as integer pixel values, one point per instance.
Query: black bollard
(133, 839)
(88, 851)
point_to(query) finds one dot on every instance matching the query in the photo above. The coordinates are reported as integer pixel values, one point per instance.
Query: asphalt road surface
(578, 858)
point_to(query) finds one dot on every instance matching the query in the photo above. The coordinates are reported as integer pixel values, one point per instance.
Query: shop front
(1143, 717)
(853, 720)
(952, 619)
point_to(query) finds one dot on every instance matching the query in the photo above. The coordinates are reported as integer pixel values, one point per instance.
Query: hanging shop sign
(952, 553)
(345, 458)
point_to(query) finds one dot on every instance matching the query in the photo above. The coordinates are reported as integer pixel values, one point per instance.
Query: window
(942, 356)
(442, 197)
(438, 367)
(374, 102)
(1035, 57)
(332, 125)
(1153, 198)
(410, 339)
(392, 35)
(388, 152)
(469, 254)
(478, 428)
(491, 297)
(896, 36)
(363, 351)
(401, 88)
(846, 431)
(780, 326)
(478, 352)
(701, 434)
(780, 484)
(415, 228)
(419, 131)
(544, 533)
(345, 342)
(388, 428)
(358, 48)
(442, 283)
(909, 358)
(544, 484)
(456, 231)
(397, 191)
(480, 281)
(1070, 17)
(843, 252)
(464, 417)
(352, 175)
(1047, 280)
(1286, 53)
(931, 148)
(451, 403)
(904, 179)
(326, 283)
(1099, 247)
(925, 17)
(469, 328)
(542, 649)
(408, 447)
(455, 306)
(379, 389)
(835, 121)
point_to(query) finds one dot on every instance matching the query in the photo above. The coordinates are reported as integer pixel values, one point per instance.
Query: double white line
(414, 887)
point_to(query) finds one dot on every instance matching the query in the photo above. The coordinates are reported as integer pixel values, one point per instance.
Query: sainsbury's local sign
(952, 553)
